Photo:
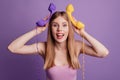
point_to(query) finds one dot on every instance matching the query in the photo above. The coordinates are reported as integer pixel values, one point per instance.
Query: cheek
(66, 30)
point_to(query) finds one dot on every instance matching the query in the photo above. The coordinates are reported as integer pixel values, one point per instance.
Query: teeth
(60, 34)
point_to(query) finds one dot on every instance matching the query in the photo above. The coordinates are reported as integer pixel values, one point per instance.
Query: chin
(61, 40)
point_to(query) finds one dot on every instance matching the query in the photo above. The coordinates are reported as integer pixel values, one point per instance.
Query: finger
(74, 18)
(46, 17)
(75, 28)
(46, 25)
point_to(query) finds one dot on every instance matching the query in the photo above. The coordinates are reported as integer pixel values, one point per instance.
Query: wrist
(38, 30)
(82, 32)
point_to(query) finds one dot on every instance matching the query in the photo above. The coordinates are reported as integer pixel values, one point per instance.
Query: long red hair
(50, 52)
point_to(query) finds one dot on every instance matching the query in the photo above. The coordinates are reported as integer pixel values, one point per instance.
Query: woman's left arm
(95, 48)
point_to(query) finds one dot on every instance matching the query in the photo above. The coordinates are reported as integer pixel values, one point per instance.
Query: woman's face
(60, 29)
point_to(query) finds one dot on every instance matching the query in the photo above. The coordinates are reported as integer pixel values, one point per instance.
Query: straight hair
(72, 56)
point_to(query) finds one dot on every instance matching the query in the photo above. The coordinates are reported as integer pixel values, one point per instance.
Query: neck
(61, 46)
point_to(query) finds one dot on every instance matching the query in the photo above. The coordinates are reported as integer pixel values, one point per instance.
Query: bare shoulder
(78, 43)
(78, 46)
(41, 48)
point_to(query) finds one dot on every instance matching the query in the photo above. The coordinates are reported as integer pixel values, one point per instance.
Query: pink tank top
(61, 73)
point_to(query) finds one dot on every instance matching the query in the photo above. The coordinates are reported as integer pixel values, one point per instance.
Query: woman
(61, 51)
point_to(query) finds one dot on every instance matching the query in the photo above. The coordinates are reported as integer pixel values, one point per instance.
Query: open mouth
(59, 35)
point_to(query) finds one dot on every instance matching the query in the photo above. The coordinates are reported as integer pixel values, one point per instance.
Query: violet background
(102, 20)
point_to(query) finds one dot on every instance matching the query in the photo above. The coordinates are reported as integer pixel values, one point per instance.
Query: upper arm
(86, 49)
(31, 49)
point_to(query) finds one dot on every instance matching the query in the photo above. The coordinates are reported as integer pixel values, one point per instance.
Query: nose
(59, 28)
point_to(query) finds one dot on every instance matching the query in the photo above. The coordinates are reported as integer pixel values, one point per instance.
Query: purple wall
(101, 18)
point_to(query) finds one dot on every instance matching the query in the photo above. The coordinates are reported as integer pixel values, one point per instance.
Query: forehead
(60, 19)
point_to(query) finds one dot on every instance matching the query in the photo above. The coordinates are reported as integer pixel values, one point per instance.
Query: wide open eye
(64, 25)
(55, 24)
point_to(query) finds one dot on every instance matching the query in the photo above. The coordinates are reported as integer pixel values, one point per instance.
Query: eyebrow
(64, 22)
(54, 22)
(57, 23)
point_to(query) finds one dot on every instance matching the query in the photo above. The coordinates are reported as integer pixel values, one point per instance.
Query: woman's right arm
(19, 45)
